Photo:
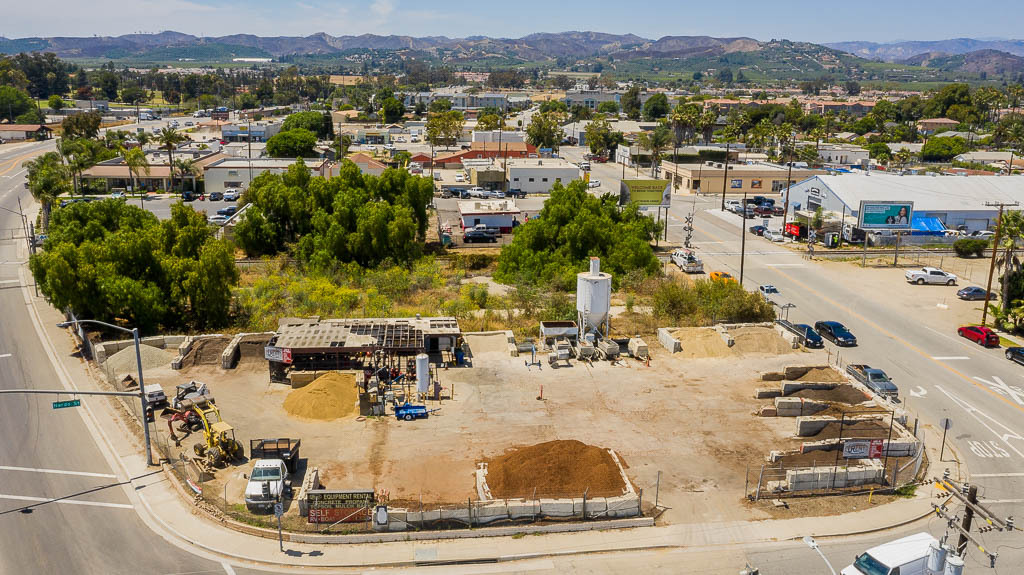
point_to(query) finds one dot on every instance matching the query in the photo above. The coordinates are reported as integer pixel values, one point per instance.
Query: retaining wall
(108, 348)
(812, 478)
(666, 340)
(797, 406)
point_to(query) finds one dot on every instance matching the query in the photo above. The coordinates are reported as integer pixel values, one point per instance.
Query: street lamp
(138, 358)
(814, 545)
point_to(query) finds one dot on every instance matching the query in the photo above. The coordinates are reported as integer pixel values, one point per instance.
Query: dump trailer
(638, 348)
(285, 449)
(608, 349)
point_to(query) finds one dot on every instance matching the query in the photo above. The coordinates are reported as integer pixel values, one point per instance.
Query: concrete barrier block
(597, 507)
(488, 512)
(623, 506)
(153, 341)
(797, 406)
(767, 411)
(518, 509)
(432, 515)
(666, 340)
(99, 353)
(767, 392)
(556, 507)
(457, 514)
(229, 357)
(513, 350)
(773, 376)
(173, 340)
(414, 517)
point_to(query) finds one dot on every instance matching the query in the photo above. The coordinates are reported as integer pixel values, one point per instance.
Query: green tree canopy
(656, 106)
(320, 124)
(572, 227)
(114, 262)
(939, 149)
(631, 103)
(296, 143)
(545, 130)
(608, 108)
(392, 110)
(85, 125)
(440, 105)
(14, 102)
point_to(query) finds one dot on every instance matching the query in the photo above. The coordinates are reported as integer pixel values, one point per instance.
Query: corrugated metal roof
(933, 193)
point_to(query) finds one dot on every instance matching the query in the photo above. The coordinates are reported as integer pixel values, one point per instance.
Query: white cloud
(382, 8)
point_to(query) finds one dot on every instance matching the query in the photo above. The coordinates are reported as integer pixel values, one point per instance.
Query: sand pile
(759, 340)
(490, 343)
(330, 396)
(842, 394)
(822, 375)
(124, 361)
(701, 342)
(561, 468)
(206, 351)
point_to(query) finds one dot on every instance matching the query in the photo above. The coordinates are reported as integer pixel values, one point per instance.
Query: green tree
(444, 128)
(14, 102)
(545, 130)
(137, 164)
(880, 152)
(134, 95)
(392, 110)
(85, 125)
(184, 168)
(319, 123)
(440, 105)
(608, 108)
(48, 178)
(631, 102)
(489, 122)
(297, 143)
(1011, 232)
(598, 135)
(56, 103)
(169, 139)
(939, 149)
(656, 106)
(553, 106)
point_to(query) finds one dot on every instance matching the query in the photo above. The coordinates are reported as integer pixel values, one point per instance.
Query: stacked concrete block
(797, 406)
(723, 332)
(311, 481)
(666, 340)
(623, 506)
(229, 357)
(491, 511)
(556, 507)
(767, 411)
(767, 392)
(812, 478)
(597, 507)
(789, 336)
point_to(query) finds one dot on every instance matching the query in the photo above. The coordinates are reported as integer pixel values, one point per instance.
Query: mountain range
(898, 51)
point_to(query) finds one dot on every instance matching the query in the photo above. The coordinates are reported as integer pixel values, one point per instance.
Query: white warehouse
(537, 175)
(238, 172)
(953, 200)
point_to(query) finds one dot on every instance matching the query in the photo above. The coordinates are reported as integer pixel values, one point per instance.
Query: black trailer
(284, 449)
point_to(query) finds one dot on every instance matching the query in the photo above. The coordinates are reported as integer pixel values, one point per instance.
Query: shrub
(970, 247)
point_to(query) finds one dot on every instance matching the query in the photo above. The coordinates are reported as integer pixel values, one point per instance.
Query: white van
(906, 556)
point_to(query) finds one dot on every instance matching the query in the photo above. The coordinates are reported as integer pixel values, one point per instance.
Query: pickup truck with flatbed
(687, 261)
(875, 379)
(285, 449)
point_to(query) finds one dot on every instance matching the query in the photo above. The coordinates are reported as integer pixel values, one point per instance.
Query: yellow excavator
(219, 445)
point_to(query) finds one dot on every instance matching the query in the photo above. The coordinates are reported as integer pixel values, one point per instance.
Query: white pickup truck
(930, 276)
(268, 484)
(687, 261)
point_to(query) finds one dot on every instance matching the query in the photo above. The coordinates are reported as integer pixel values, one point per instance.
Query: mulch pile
(560, 468)
(822, 375)
(329, 396)
(841, 394)
(206, 351)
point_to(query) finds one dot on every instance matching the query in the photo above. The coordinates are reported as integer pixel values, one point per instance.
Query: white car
(773, 235)
(460, 178)
(594, 184)
(231, 195)
(217, 220)
(930, 276)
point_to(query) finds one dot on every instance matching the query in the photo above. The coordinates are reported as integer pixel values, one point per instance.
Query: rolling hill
(900, 51)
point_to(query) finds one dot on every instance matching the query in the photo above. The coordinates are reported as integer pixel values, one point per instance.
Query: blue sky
(814, 21)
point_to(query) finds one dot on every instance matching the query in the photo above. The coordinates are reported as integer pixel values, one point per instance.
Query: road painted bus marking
(977, 414)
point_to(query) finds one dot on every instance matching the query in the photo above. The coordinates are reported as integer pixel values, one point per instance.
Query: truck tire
(407, 417)
(920, 281)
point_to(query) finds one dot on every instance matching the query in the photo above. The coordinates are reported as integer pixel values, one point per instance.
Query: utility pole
(743, 236)
(992, 264)
(972, 497)
(789, 184)
(725, 177)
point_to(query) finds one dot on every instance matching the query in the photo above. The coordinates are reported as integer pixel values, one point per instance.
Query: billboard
(646, 192)
(340, 506)
(895, 216)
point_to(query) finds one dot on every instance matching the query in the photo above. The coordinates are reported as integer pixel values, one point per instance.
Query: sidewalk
(162, 507)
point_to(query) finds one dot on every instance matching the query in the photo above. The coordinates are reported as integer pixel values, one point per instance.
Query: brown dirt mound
(700, 342)
(759, 340)
(869, 429)
(250, 349)
(560, 468)
(206, 351)
(822, 375)
(841, 394)
(330, 396)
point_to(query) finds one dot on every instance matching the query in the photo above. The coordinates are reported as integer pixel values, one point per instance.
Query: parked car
(721, 276)
(874, 379)
(768, 292)
(216, 196)
(217, 220)
(930, 276)
(594, 184)
(471, 236)
(982, 234)
(758, 230)
(748, 212)
(188, 196)
(836, 333)
(975, 293)
(811, 337)
(980, 335)
(515, 193)
(1015, 354)
(773, 235)
(228, 211)
(764, 210)
(117, 196)
(733, 205)
(231, 195)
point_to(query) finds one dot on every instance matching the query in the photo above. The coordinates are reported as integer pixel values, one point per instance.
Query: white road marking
(949, 357)
(3, 355)
(974, 412)
(918, 392)
(56, 471)
(67, 501)
(991, 501)
(227, 568)
(1014, 392)
(997, 475)
(3, 282)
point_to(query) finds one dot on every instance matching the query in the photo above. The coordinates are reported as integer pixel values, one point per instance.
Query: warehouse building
(502, 215)
(953, 200)
(755, 178)
(538, 175)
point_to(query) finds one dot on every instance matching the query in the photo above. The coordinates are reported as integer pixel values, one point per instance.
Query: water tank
(422, 373)
(936, 557)
(954, 565)
(593, 298)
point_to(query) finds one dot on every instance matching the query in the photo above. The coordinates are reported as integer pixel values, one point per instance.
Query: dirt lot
(689, 418)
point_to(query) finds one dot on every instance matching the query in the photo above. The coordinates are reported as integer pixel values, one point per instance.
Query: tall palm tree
(1014, 137)
(655, 141)
(185, 167)
(684, 120)
(1011, 231)
(143, 138)
(707, 122)
(169, 138)
(48, 178)
(136, 161)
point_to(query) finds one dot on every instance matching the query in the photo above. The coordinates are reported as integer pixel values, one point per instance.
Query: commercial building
(114, 173)
(256, 131)
(843, 154)
(953, 200)
(24, 132)
(538, 175)
(367, 165)
(239, 172)
(497, 214)
(500, 136)
(314, 345)
(377, 136)
(482, 150)
(757, 178)
(932, 125)
(485, 174)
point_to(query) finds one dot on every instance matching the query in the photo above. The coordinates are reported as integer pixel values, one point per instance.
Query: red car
(979, 335)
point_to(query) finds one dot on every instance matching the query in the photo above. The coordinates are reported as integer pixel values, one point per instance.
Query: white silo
(422, 373)
(593, 299)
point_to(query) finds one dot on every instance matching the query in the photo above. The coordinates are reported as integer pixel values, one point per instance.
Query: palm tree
(185, 168)
(656, 141)
(142, 138)
(1011, 230)
(706, 125)
(136, 161)
(1014, 137)
(169, 138)
(684, 120)
(47, 180)
(902, 157)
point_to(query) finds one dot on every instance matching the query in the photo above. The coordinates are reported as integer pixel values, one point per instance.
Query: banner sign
(863, 448)
(278, 354)
(344, 506)
(646, 192)
(885, 215)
